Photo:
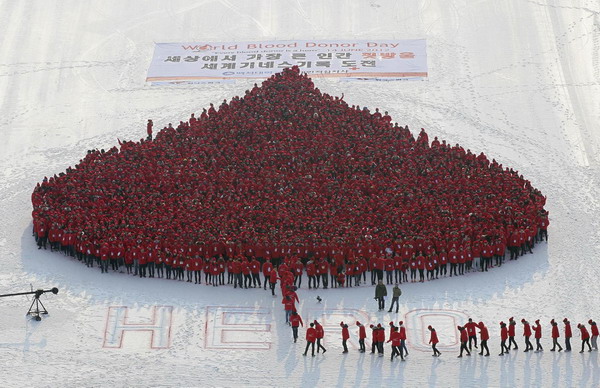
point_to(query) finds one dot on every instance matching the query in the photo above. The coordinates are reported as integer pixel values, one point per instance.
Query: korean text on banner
(353, 59)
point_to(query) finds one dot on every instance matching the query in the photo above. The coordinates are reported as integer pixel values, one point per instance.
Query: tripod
(35, 312)
(37, 307)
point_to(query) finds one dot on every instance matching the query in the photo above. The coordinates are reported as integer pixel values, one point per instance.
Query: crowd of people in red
(467, 337)
(288, 175)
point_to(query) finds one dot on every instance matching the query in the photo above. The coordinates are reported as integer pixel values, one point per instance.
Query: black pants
(528, 345)
(256, 279)
(312, 281)
(484, 346)
(396, 352)
(463, 346)
(324, 276)
(389, 277)
(309, 344)
(266, 281)
(555, 344)
(394, 301)
(374, 346)
(503, 347)
(319, 346)
(568, 344)
(295, 332)
(344, 345)
(585, 341)
(381, 302)
(472, 338)
(435, 351)
(361, 344)
(247, 281)
(272, 288)
(538, 344)
(511, 341)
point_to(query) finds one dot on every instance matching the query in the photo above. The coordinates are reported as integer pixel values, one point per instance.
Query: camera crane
(34, 309)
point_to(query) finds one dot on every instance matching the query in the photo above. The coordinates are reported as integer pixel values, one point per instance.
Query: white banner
(352, 59)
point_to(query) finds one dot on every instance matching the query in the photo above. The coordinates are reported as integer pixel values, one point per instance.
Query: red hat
(401, 322)
(565, 320)
(357, 323)
(590, 321)
(501, 323)
(429, 327)
(511, 319)
(392, 323)
(552, 321)
(371, 326)
(523, 320)
(537, 321)
(481, 324)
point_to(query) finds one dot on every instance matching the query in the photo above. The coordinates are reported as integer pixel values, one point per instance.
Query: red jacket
(319, 330)
(311, 334)
(594, 328)
(584, 332)
(483, 332)
(345, 332)
(526, 330)
(395, 338)
(362, 332)
(296, 320)
(538, 331)
(503, 333)
(470, 327)
(555, 333)
(433, 339)
(463, 335)
(568, 332)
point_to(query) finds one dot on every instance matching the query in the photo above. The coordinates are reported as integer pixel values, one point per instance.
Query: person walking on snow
(568, 335)
(345, 336)
(311, 335)
(585, 337)
(555, 335)
(320, 333)
(396, 292)
(362, 334)
(512, 324)
(464, 338)
(402, 331)
(433, 340)
(538, 336)
(594, 328)
(380, 294)
(503, 338)
(526, 334)
(470, 327)
(295, 321)
(395, 340)
(485, 336)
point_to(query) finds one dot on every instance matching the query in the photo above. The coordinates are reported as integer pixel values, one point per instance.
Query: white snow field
(516, 79)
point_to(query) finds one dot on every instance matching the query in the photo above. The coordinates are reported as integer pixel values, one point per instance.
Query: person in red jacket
(568, 335)
(273, 280)
(289, 306)
(149, 126)
(464, 338)
(470, 327)
(345, 336)
(594, 328)
(433, 340)
(298, 269)
(320, 333)
(555, 335)
(362, 334)
(403, 348)
(503, 338)
(295, 321)
(311, 335)
(395, 340)
(311, 272)
(527, 334)
(255, 270)
(267, 267)
(537, 329)
(485, 336)
(512, 324)
(585, 337)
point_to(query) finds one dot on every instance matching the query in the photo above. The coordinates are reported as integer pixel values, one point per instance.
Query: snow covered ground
(516, 79)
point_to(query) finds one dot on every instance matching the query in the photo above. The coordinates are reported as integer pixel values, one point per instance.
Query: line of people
(467, 337)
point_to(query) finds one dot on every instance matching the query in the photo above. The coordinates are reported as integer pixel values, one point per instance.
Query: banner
(351, 59)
